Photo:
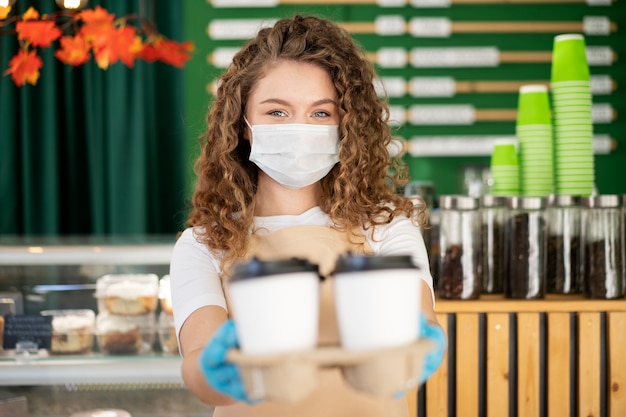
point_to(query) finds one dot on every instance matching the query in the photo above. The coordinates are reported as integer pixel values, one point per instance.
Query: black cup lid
(256, 268)
(352, 263)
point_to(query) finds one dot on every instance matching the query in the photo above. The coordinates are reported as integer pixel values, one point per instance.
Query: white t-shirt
(194, 271)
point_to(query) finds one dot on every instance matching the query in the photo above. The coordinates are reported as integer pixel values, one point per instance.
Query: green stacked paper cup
(573, 126)
(505, 168)
(534, 133)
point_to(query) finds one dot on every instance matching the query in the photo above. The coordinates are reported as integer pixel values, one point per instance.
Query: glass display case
(61, 274)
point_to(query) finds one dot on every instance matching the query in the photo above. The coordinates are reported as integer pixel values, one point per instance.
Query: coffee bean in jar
(564, 275)
(526, 235)
(459, 246)
(602, 237)
(492, 266)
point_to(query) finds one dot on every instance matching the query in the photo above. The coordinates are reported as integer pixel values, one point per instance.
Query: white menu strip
(601, 84)
(245, 3)
(391, 3)
(237, 28)
(222, 57)
(599, 2)
(599, 55)
(431, 3)
(391, 57)
(596, 25)
(453, 114)
(430, 27)
(432, 87)
(455, 57)
(389, 25)
(390, 86)
(397, 115)
(602, 113)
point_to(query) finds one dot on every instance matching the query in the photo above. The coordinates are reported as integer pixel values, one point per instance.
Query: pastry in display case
(72, 331)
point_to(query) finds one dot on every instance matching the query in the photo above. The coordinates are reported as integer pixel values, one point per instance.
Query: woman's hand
(221, 375)
(434, 357)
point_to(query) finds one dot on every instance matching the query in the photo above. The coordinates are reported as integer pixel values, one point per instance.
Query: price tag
(596, 25)
(222, 57)
(432, 87)
(391, 57)
(455, 57)
(389, 25)
(27, 328)
(599, 2)
(456, 114)
(599, 56)
(602, 113)
(430, 27)
(397, 115)
(245, 3)
(237, 28)
(601, 84)
(390, 86)
(391, 3)
(431, 3)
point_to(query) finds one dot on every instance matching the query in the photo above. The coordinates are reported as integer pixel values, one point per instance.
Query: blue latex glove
(221, 375)
(435, 356)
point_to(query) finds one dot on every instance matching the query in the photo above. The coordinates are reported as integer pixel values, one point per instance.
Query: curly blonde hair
(358, 193)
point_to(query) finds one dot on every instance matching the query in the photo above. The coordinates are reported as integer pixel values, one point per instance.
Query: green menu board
(452, 70)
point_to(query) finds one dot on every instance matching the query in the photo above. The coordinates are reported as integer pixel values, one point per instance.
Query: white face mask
(295, 155)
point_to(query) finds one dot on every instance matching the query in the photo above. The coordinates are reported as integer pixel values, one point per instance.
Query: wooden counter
(554, 357)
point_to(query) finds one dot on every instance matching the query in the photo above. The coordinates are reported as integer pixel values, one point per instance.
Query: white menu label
(432, 87)
(455, 114)
(237, 28)
(601, 84)
(430, 27)
(245, 3)
(391, 57)
(431, 3)
(602, 113)
(455, 57)
(391, 3)
(596, 25)
(599, 55)
(599, 2)
(389, 25)
(397, 115)
(222, 57)
(390, 86)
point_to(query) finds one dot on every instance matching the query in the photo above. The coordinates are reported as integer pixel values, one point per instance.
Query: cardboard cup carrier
(275, 305)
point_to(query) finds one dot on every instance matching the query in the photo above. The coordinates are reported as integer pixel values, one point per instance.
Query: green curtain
(93, 152)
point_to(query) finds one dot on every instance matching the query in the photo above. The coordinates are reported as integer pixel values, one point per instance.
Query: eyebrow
(286, 103)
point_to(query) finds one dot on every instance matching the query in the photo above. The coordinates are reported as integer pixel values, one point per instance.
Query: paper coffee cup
(569, 59)
(377, 299)
(275, 305)
(533, 105)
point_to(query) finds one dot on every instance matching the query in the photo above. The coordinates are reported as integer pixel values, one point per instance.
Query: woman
(296, 150)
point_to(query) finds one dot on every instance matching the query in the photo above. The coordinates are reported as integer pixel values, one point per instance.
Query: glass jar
(526, 237)
(459, 245)
(602, 236)
(492, 266)
(564, 273)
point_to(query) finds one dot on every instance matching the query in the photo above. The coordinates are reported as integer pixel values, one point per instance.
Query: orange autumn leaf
(123, 44)
(24, 68)
(4, 12)
(38, 32)
(170, 52)
(74, 50)
(96, 22)
(31, 14)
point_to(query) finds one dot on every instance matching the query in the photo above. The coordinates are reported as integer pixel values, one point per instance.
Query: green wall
(444, 171)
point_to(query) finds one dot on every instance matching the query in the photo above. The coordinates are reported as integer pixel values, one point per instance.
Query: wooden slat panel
(616, 329)
(497, 303)
(558, 361)
(589, 365)
(498, 349)
(528, 364)
(467, 354)
(437, 384)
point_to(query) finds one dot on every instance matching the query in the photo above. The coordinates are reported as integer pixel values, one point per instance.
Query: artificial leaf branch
(81, 34)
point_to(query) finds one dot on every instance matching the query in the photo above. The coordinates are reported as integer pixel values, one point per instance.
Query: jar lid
(353, 263)
(526, 203)
(563, 200)
(258, 268)
(458, 202)
(490, 200)
(602, 201)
